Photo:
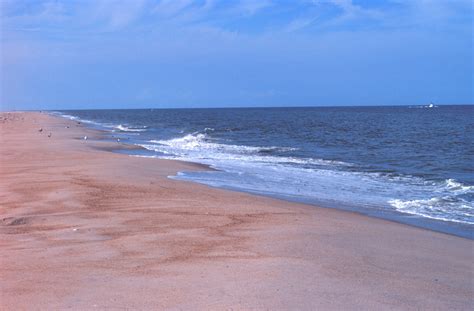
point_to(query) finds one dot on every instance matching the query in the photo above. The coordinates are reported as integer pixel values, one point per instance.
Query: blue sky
(226, 53)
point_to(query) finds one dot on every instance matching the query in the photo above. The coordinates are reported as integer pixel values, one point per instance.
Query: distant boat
(431, 105)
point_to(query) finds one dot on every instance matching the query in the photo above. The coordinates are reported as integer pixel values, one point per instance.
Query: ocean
(411, 164)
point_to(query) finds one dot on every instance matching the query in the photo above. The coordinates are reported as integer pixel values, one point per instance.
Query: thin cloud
(119, 14)
(171, 7)
(299, 24)
(252, 7)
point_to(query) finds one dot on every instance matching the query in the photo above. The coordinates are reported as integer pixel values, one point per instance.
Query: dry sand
(85, 228)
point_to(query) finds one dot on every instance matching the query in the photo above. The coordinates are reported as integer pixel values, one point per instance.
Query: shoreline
(458, 229)
(94, 217)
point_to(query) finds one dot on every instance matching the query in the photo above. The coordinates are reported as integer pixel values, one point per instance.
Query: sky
(86, 54)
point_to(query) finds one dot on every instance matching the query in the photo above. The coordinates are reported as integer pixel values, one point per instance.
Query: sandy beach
(85, 228)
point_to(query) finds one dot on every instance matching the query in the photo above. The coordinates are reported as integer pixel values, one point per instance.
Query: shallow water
(411, 164)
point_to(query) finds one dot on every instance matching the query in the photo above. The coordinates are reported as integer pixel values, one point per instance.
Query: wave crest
(199, 146)
(124, 128)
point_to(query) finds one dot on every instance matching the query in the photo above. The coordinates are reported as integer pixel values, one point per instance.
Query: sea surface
(409, 164)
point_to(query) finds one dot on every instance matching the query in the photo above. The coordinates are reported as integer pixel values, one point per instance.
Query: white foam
(438, 208)
(124, 128)
(66, 116)
(199, 146)
(74, 118)
(457, 186)
(120, 127)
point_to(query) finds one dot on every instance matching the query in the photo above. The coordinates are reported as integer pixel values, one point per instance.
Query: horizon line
(241, 107)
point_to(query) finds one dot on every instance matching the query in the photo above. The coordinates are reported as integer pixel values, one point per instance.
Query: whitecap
(125, 128)
(456, 186)
(439, 208)
(199, 146)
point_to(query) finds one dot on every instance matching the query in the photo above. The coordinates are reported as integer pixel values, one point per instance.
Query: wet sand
(84, 228)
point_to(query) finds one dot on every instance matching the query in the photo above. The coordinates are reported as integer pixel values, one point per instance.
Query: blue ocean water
(410, 164)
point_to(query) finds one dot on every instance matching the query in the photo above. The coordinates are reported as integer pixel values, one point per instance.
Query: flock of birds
(41, 131)
(85, 137)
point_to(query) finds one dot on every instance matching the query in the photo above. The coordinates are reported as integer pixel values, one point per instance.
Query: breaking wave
(124, 128)
(199, 146)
